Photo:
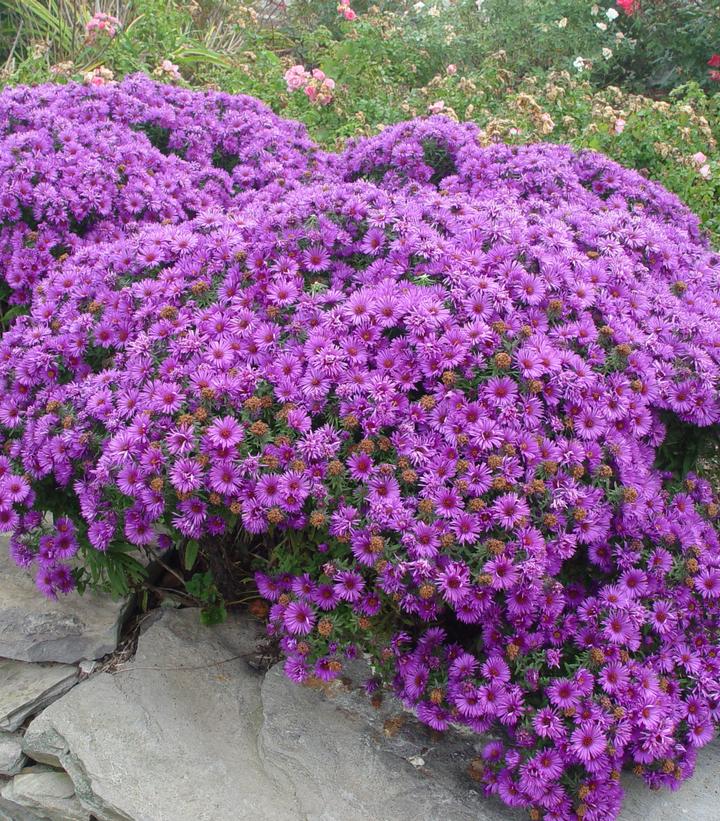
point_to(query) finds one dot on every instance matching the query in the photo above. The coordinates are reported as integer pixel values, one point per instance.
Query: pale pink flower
(168, 69)
(296, 77)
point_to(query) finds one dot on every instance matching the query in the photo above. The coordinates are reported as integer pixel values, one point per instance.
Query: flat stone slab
(9, 811)
(173, 736)
(12, 758)
(349, 761)
(188, 730)
(34, 628)
(26, 689)
(46, 792)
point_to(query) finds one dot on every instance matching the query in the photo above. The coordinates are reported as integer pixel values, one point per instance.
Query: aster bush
(82, 164)
(439, 390)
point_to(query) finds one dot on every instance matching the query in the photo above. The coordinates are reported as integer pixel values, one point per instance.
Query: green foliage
(115, 571)
(190, 554)
(673, 42)
(684, 445)
(202, 587)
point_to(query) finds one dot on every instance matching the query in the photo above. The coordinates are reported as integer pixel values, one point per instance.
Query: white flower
(562, 23)
(595, 10)
(602, 26)
(607, 53)
(419, 6)
(612, 14)
(579, 63)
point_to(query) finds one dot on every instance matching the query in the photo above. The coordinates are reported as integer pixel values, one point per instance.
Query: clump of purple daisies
(436, 379)
(83, 164)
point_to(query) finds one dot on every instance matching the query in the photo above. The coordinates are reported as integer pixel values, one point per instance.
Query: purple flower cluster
(439, 153)
(82, 164)
(434, 378)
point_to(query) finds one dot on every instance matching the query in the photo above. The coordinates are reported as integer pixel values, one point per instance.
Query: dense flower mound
(64, 184)
(435, 397)
(236, 133)
(81, 164)
(441, 153)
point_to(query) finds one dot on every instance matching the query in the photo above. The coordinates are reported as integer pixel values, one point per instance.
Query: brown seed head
(535, 386)
(253, 404)
(426, 591)
(630, 494)
(425, 506)
(437, 695)
(335, 468)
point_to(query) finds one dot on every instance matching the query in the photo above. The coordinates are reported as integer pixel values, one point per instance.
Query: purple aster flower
(587, 741)
(299, 618)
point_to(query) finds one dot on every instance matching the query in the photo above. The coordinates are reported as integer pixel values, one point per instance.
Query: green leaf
(191, 553)
(214, 614)
(199, 585)
(12, 313)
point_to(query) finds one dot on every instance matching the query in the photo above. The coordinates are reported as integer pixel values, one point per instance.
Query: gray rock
(33, 628)
(10, 811)
(190, 731)
(26, 689)
(12, 759)
(349, 761)
(87, 668)
(46, 792)
(172, 737)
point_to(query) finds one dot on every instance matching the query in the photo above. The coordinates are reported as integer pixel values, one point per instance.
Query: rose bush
(434, 383)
